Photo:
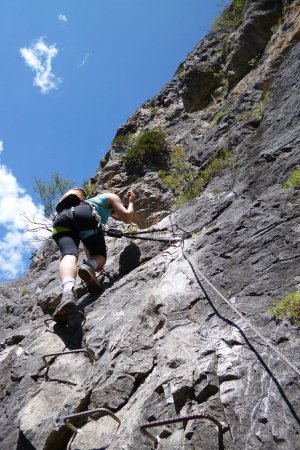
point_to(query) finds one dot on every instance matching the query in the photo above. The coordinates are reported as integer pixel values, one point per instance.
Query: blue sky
(72, 72)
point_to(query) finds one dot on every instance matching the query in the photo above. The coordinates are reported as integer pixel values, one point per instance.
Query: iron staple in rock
(87, 414)
(157, 423)
(85, 351)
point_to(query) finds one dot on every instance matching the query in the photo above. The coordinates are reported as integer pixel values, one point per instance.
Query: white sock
(92, 263)
(68, 284)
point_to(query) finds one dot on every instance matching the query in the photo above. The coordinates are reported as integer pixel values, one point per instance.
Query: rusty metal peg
(90, 412)
(81, 350)
(221, 426)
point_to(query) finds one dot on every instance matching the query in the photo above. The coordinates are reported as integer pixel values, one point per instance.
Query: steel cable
(253, 328)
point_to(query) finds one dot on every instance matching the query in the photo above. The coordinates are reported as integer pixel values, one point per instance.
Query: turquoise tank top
(102, 206)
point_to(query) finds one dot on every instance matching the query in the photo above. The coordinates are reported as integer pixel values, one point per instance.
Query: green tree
(49, 192)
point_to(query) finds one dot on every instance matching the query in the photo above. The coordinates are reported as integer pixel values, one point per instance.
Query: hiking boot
(67, 307)
(88, 275)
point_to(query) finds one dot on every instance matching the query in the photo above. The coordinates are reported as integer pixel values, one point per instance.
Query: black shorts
(68, 228)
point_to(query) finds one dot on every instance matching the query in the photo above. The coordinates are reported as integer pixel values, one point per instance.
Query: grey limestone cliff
(164, 342)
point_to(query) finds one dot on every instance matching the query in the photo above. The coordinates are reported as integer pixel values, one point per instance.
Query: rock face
(164, 342)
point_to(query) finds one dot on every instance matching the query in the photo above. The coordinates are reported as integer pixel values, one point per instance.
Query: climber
(81, 220)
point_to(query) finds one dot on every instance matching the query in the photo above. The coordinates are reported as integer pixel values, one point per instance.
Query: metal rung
(157, 423)
(90, 412)
(81, 350)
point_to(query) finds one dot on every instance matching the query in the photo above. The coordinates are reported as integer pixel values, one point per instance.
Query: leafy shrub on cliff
(122, 140)
(24, 291)
(89, 188)
(293, 180)
(287, 308)
(149, 146)
(232, 16)
(187, 183)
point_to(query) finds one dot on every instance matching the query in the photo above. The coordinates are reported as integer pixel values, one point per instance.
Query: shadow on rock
(57, 380)
(71, 334)
(89, 299)
(129, 258)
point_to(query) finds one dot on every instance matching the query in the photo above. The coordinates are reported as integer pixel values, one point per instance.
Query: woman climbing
(80, 220)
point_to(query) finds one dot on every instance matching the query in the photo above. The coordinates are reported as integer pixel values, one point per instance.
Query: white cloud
(82, 63)
(19, 236)
(62, 18)
(39, 58)
(1, 147)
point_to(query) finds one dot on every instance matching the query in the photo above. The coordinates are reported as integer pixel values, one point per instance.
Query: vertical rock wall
(161, 341)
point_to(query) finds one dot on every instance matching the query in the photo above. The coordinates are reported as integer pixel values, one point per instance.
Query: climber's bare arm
(119, 210)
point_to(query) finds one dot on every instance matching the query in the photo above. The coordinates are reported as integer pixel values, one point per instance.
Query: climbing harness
(96, 215)
(222, 427)
(256, 331)
(97, 413)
